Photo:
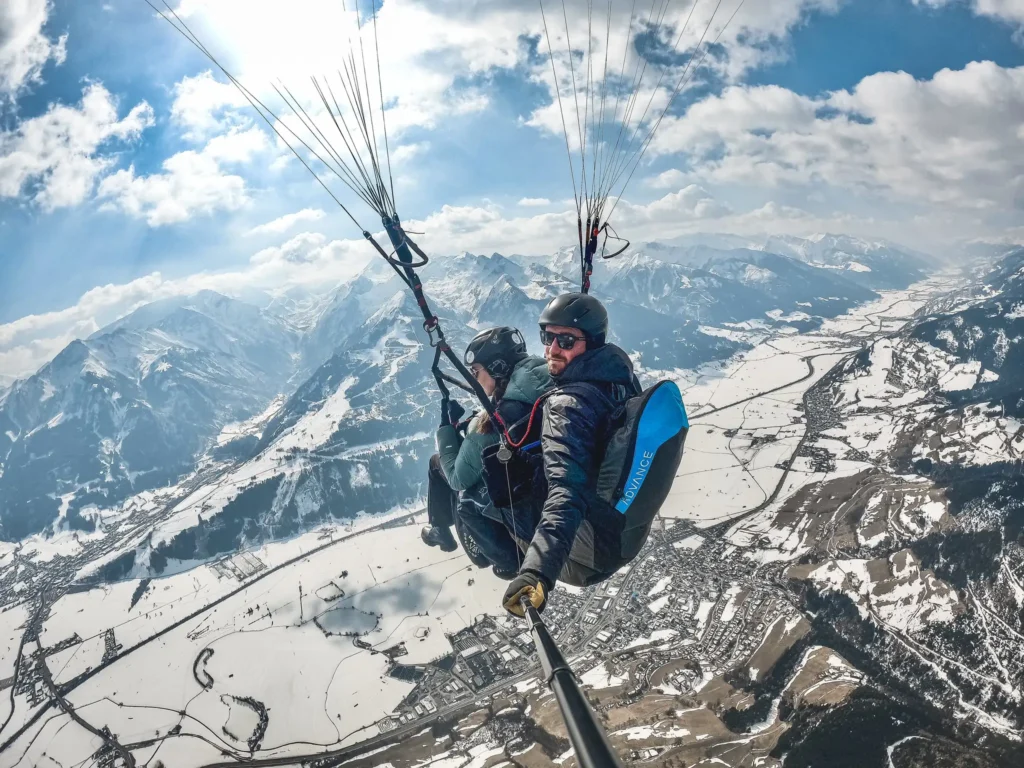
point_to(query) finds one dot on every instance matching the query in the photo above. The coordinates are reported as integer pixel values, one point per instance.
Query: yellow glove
(525, 584)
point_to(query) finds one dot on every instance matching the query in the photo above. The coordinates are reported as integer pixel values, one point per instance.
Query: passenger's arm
(461, 459)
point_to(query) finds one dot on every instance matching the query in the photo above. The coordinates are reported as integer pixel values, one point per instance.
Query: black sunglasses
(565, 341)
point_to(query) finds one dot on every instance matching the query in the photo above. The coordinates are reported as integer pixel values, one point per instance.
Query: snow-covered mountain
(875, 263)
(714, 287)
(132, 406)
(181, 383)
(986, 337)
(356, 434)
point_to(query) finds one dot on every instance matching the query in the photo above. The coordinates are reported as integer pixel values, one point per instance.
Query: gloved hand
(446, 419)
(463, 426)
(528, 583)
(455, 411)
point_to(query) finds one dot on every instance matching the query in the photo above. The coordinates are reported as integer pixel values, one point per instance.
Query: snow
(658, 604)
(703, 613)
(655, 637)
(907, 599)
(319, 688)
(961, 376)
(659, 731)
(855, 266)
(11, 622)
(316, 426)
(732, 604)
(251, 426)
(48, 391)
(725, 472)
(658, 588)
(360, 476)
(600, 677)
(892, 748)
(693, 541)
(73, 661)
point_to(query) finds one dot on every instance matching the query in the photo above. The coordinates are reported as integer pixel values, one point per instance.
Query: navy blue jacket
(575, 430)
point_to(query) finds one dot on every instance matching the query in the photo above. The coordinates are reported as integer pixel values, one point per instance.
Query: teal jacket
(461, 458)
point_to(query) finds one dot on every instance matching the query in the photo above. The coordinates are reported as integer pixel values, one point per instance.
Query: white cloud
(286, 222)
(954, 140)
(1010, 11)
(202, 105)
(435, 58)
(406, 152)
(485, 228)
(534, 202)
(56, 157)
(192, 182)
(670, 179)
(24, 48)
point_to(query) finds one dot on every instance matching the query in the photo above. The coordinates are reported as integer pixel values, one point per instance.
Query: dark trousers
(442, 501)
(473, 517)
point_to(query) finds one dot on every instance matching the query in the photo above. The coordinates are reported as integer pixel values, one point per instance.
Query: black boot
(438, 536)
(503, 574)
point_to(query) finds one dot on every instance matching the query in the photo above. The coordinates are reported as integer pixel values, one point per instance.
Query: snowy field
(287, 641)
(746, 413)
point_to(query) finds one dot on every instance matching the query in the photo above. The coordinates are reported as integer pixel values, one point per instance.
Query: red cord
(529, 426)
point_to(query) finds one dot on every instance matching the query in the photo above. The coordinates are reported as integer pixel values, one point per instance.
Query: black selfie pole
(586, 735)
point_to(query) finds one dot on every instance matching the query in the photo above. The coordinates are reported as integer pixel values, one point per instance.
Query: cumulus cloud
(1010, 11)
(403, 153)
(284, 223)
(435, 57)
(24, 48)
(952, 140)
(192, 182)
(670, 179)
(486, 228)
(56, 157)
(534, 202)
(203, 105)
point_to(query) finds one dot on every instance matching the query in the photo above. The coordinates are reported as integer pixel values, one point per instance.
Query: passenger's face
(557, 357)
(483, 378)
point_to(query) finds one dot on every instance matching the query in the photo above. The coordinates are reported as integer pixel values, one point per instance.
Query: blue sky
(801, 124)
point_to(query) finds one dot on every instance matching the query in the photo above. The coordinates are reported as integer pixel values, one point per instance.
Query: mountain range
(148, 399)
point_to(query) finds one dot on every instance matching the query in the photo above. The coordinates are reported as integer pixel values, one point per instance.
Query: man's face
(557, 357)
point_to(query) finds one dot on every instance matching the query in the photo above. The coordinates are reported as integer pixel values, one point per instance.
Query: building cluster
(689, 598)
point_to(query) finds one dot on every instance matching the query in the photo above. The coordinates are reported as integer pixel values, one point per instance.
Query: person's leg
(441, 504)
(492, 539)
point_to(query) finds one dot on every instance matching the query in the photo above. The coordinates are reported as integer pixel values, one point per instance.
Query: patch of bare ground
(781, 636)
(411, 751)
(825, 678)
(534, 757)
(650, 709)
(719, 695)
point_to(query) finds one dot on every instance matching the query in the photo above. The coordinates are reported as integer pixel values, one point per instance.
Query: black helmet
(498, 350)
(578, 310)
